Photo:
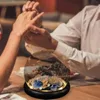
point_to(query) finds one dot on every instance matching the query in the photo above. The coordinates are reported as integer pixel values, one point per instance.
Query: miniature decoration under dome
(46, 79)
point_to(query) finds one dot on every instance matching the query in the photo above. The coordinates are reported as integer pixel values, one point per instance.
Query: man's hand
(39, 37)
(24, 23)
(42, 39)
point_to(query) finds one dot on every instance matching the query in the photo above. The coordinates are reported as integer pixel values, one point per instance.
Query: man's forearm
(85, 63)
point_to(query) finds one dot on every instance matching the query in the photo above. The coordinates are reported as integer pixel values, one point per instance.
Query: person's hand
(30, 6)
(24, 23)
(33, 6)
(41, 39)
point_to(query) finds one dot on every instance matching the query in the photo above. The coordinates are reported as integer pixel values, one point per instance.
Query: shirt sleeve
(83, 62)
(69, 33)
(67, 51)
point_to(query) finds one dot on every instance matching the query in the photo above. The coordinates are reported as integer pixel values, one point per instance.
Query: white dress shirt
(79, 42)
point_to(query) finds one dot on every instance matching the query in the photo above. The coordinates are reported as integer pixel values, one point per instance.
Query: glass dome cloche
(45, 76)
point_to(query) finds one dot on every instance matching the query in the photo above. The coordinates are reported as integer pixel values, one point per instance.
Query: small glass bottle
(0, 32)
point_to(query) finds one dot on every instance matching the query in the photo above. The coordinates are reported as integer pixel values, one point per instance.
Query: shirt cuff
(63, 51)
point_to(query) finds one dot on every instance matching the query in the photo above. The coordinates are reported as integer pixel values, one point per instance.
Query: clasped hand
(39, 36)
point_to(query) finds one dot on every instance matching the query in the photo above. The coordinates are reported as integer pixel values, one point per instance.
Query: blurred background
(56, 12)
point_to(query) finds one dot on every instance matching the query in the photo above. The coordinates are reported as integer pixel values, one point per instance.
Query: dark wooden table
(77, 93)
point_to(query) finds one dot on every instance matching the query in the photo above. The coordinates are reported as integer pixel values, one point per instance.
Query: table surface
(77, 93)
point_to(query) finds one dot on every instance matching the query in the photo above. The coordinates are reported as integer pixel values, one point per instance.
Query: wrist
(54, 43)
(14, 35)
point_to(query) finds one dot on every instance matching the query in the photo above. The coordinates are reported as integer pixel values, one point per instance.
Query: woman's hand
(33, 6)
(24, 23)
(30, 6)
